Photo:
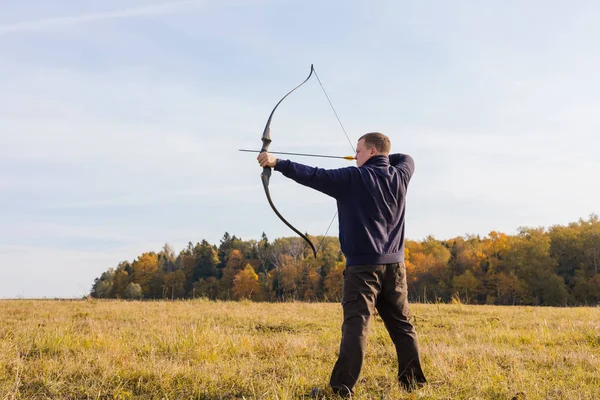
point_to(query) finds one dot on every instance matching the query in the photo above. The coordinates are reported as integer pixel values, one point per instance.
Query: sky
(120, 121)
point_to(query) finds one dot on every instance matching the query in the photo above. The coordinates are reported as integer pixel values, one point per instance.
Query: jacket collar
(379, 161)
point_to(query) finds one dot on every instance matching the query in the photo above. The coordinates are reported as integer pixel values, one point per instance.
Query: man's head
(371, 144)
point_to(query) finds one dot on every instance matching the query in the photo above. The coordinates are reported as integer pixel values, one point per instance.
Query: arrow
(350, 158)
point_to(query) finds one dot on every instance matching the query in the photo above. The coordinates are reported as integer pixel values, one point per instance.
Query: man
(371, 207)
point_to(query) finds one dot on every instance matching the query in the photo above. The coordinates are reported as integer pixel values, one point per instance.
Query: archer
(371, 202)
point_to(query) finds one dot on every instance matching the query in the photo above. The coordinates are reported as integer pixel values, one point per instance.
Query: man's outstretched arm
(332, 182)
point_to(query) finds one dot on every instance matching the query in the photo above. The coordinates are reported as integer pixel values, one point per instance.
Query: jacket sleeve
(332, 182)
(404, 163)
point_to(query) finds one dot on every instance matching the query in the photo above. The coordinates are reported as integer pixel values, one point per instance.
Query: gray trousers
(384, 287)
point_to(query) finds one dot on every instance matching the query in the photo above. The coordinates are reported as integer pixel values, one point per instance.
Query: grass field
(229, 350)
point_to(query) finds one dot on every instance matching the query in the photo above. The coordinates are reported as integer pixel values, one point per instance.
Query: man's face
(363, 153)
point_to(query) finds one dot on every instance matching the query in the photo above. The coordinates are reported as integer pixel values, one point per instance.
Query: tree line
(558, 266)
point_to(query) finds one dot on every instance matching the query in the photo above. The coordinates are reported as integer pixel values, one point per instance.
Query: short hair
(378, 140)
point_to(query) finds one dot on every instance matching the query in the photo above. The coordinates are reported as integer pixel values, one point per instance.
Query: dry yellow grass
(228, 350)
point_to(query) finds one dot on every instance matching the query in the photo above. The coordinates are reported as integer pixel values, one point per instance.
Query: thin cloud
(43, 24)
(55, 230)
(139, 200)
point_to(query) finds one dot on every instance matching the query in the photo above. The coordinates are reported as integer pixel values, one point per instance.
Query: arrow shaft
(301, 154)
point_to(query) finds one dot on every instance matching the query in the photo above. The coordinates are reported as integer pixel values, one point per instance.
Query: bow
(266, 174)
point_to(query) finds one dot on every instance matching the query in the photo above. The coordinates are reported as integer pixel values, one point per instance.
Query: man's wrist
(279, 164)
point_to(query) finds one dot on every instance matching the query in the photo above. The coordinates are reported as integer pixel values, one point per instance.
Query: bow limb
(266, 174)
(266, 187)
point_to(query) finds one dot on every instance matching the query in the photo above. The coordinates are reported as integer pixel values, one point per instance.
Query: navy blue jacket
(371, 203)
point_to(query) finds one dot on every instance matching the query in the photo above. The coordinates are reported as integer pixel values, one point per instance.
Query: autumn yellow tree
(428, 274)
(144, 270)
(245, 284)
(232, 268)
(495, 247)
(121, 280)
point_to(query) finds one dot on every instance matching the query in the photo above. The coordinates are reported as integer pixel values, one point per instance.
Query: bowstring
(336, 114)
(349, 141)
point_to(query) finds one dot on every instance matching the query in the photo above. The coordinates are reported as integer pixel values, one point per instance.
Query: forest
(557, 266)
